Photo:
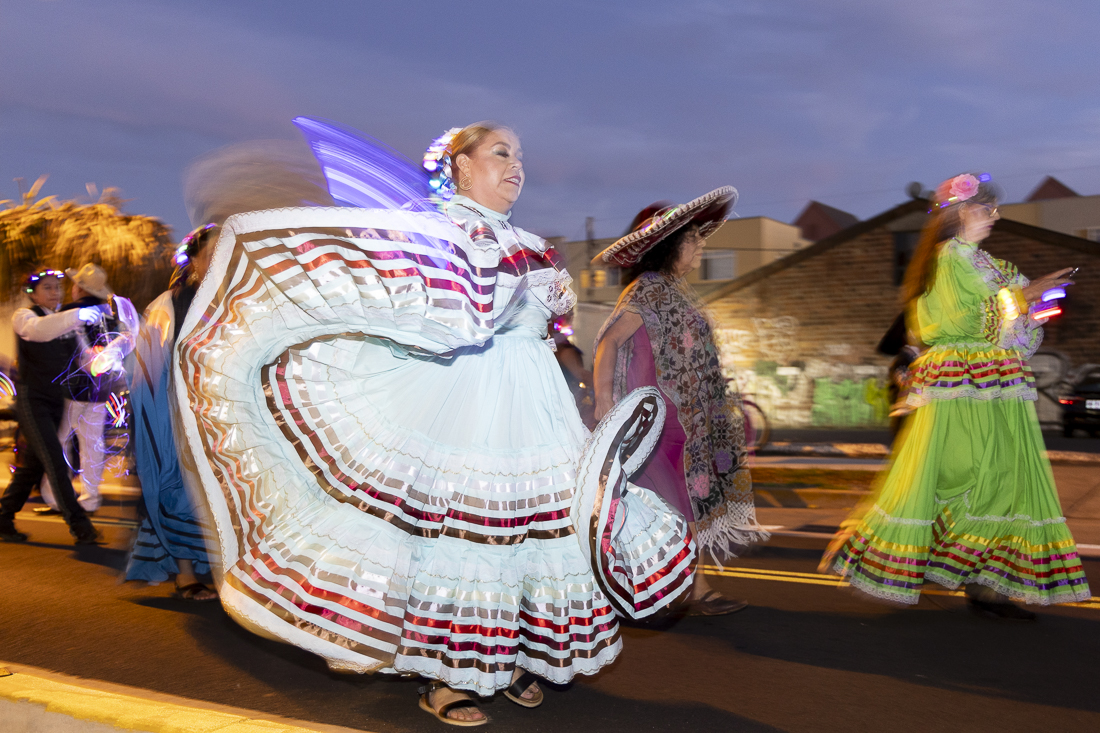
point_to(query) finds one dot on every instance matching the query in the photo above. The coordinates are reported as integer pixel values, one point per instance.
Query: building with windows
(738, 247)
(861, 265)
(800, 333)
(1055, 206)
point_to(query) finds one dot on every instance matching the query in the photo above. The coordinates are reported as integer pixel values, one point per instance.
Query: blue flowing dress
(171, 527)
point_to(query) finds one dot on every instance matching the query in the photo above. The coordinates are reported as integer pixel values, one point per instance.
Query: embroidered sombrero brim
(707, 212)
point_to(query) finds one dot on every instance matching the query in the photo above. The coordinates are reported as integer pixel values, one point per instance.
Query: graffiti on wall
(795, 390)
(776, 337)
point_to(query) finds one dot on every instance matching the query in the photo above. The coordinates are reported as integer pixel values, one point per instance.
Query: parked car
(1081, 406)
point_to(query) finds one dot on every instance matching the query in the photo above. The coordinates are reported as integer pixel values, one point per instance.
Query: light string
(438, 164)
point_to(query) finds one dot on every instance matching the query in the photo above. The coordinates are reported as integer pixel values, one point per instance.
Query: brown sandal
(515, 691)
(440, 713)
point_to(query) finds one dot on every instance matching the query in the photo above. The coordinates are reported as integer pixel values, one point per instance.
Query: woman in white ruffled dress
(394, 463)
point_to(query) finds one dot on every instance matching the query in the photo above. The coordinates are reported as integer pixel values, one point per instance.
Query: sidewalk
(37, 701)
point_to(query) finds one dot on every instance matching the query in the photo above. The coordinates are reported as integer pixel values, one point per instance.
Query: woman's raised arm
(604, 368)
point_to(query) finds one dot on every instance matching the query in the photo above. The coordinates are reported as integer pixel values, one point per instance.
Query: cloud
(619, 103)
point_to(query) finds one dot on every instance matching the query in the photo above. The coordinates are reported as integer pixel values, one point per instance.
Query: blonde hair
(469, 139)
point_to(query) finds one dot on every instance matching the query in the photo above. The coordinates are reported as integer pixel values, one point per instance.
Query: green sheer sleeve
(975, 298)
(952, 311)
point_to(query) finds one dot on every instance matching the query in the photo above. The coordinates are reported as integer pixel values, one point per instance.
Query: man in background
(87, 394)
(45, 348)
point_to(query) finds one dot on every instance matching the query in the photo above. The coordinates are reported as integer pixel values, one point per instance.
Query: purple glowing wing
(365, 172)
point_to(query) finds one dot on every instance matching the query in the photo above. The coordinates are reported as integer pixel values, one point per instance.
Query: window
(719, 264)
(905, 243)
(599, 278)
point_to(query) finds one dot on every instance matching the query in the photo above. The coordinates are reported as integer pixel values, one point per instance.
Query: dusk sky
(618, 103)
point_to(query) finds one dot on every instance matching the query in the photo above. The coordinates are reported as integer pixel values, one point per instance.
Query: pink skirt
(664, 472)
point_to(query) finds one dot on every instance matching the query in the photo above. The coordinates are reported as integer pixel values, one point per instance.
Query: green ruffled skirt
(969, 498)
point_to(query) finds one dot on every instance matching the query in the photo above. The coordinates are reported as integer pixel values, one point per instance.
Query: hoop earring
(465, 183)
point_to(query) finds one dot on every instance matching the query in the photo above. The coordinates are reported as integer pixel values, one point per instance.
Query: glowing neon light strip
(1047, 313)
(1054, 294)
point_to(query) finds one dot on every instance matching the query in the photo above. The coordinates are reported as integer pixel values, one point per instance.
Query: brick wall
(802, 338)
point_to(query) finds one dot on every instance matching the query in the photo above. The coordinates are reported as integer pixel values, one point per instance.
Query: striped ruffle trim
(398, 477)
(1011, 562)
(640, 548)
(976, 371)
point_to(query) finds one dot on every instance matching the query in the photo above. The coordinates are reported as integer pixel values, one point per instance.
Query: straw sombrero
(707, 212)
(92, 279)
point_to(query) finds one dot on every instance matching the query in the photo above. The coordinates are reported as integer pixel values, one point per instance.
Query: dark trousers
(39, 420)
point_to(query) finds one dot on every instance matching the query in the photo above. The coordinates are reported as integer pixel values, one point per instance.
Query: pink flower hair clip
(960, 188)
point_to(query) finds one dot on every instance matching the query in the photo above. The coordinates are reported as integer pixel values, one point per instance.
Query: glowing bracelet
(1047, 313)
(1053, 294)
(1009, 308)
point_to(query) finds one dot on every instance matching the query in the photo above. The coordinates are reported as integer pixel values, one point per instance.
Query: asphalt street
(805, 656)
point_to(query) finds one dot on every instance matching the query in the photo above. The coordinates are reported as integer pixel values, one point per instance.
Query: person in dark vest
(86, 395)
(45, 349)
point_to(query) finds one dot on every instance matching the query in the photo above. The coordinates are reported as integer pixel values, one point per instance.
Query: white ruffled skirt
(403, 513)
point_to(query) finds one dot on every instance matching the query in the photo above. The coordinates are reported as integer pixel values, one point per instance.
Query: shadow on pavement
(1018, 661)
(206, 609)
(300, 685)
(100, 555)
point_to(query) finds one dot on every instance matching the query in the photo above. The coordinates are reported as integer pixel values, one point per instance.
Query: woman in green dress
(969, 498)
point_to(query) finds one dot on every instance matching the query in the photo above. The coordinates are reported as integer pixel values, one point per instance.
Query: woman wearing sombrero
(659, 336)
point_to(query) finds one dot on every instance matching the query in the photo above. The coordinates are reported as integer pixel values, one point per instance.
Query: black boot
(8, 532)
(86, 533)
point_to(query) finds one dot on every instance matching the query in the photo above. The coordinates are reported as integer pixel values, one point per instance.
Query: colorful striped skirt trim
(1036, 562)
(974, 370)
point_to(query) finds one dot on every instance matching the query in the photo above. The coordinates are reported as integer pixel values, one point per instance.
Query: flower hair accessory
(437, 161)
(183, 251)
(31, 281)
(960, 188)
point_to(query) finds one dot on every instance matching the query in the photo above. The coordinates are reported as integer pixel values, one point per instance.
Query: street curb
(48, 701)
(826, 450)
(878, 450)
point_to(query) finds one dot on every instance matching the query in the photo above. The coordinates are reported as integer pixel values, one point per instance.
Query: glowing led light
(116, 410)
(1054, 294)
(1008, 304)
(364, 172)
(7, 387)
(437, 161)
(985, 177)
(107, 361)
(1047, 313)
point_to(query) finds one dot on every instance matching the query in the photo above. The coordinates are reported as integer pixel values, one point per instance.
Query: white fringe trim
(725, 533)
